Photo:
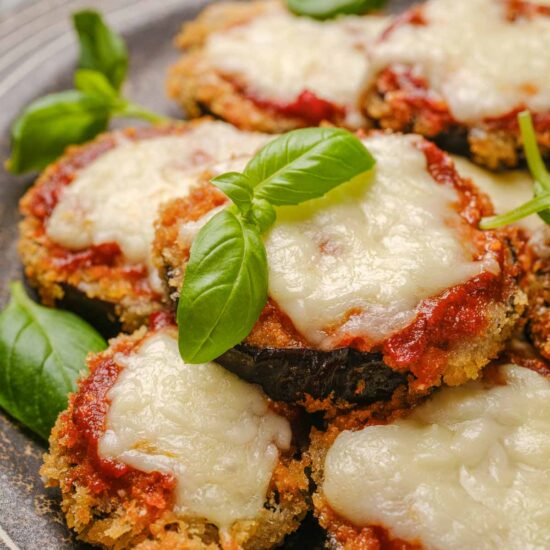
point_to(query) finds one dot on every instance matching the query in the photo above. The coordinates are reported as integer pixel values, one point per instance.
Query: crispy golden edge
(538, 315)
(199, 88)
(51, 281)
(117, 521)
(494, 149)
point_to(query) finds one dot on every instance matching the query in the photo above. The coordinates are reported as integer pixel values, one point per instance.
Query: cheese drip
(360, 260)
(468, 469)
(278, 55)
(481, 63)
(212, 431)
(116, 197)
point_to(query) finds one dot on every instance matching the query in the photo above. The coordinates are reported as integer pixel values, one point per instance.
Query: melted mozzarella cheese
(468, 469)
(481, 63)
(212, 431)
(279, 55)
(116, 197)
(375, 248)
(507, 190)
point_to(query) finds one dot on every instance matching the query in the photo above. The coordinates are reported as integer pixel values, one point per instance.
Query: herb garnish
(325, 9)
(42, 352)
(226, 278)
(540, 203)
(48, 125)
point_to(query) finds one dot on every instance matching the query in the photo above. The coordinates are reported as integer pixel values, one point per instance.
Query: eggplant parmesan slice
(467, 468)
(461, 71)
(382, 282)
(88, 220)
(261, 67)
(154, 453)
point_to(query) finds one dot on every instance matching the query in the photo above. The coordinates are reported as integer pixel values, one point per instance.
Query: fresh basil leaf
(225, 287)
(237, 187)
(101, 49)
(93, 82)
(325, 9)
(48, 125)
(42, 352)
(263, 214)
(306, 164)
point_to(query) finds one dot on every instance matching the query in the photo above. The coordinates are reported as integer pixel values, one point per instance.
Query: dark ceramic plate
(37, 56)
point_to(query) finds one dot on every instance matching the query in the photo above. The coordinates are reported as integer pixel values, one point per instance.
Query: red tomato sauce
(307, 106)
(85, 424)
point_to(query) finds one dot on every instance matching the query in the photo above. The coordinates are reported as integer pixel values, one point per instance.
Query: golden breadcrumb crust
(342, 534)
(538, 314)
(135, 510)
(96, 278)
(488, 146)
(201, 88)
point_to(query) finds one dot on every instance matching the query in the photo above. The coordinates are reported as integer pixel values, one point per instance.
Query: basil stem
(536, 204)
(532, 153)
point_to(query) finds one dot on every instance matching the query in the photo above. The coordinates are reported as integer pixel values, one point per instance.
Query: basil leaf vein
(306, 164)
(225, 287)
(42, 352)
(51, 123)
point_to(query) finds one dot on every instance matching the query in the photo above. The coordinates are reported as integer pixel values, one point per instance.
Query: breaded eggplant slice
(154, 453)
(465, 469)
(459, 72)
(384, 282)
(260, 67)
(88, 220)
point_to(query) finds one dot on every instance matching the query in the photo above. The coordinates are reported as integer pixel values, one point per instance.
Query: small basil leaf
(325, 9)
(263, 214)
(237, 187)
(42, 352)
(101, 49)
(306, 164)
(48, 125)
(224, 290)
(93, 82)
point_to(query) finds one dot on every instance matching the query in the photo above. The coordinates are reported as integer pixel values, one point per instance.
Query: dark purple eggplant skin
(289, 374)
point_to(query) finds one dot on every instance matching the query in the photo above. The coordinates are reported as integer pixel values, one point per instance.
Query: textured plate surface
(37, 56)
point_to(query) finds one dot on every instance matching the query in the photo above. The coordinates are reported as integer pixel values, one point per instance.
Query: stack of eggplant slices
(329, 287)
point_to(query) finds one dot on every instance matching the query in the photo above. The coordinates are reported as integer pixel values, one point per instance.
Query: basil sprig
(226, 278)
(42, 352)
(48, 125)
(101, 49)
(540, 203)
(326, 9)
